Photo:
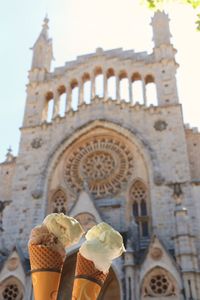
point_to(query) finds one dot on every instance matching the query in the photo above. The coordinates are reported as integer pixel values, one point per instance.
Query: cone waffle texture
(44, 258)
(86, 269)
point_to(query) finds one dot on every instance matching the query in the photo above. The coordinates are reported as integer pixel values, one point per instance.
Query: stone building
(88, 152)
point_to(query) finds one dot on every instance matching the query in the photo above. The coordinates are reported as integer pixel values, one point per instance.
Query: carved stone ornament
(37, 193)
(105, 162)
(160, 125)
(87, 220)
(36, 143)
(156, 253)
(13, 263)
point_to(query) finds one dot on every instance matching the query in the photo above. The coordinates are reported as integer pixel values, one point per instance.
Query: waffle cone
(46, 266)
(88, 280)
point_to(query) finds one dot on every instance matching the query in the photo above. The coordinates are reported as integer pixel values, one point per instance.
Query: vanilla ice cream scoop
(102, 245)
(67, 229)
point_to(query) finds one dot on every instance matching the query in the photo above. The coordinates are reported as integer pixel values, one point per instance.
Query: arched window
(59, 202)
(138, 198)
(124, 89)
(111, 84)
(47, 112)
(151, 94)
(75, 94)
(137, 88)
(11, 289)
(98, 73)
(50, 110)
(86, 88)
(62, 100)
(159, 283)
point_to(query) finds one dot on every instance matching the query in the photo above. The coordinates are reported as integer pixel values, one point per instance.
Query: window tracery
(59, 202)
(159, 284)
(139, 197)
(11, 290)
(104, 162)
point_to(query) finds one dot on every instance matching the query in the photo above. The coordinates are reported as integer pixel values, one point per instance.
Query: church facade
(93, 155)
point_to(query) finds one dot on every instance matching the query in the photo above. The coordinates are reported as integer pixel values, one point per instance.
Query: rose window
(103, 162)
(98, 165)
(159, 284)
(11, 292)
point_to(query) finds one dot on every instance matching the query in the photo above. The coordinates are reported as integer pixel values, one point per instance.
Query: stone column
(105, 86)
(118, 88)
(80, 93)
(144, 92)
(129, 272)
(93, 88)
(130, 90)
(69, 99)
(56, 106)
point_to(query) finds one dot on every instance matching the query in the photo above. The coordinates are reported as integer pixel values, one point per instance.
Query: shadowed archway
(110, 290)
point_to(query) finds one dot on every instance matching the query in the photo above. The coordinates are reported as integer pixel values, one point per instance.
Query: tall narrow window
(124, 89)
(75, 94)
(99, 85)
(86, 88)
(151, 94)
(50, 110)
(137, 88)
(135, 209)
(138, 198)
(111, 84)
(62, 100)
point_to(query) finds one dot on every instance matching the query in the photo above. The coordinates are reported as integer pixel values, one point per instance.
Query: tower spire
(42, 49)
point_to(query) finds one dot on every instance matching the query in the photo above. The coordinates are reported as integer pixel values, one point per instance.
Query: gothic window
(105, 161)
(11, 289)
(59, 202)
(159, 283)
(138, 197)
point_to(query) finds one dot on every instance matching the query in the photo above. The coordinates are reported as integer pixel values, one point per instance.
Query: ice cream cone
(88, 280)
(46, 266)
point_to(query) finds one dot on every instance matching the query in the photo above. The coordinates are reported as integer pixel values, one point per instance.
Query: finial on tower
(42, 49)
(161, 32)
(9, 155)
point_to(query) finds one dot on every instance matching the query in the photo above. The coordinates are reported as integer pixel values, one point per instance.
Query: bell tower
(164, 57)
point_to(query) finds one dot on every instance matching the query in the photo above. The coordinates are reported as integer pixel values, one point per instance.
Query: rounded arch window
(140, 211)
(11, 290)
(59, 202)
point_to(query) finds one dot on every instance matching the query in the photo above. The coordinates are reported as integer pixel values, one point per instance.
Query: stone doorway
(110, 291)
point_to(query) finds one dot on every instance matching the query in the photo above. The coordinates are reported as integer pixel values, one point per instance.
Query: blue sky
(78, 27)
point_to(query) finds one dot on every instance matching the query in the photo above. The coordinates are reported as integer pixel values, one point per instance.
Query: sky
(78, 27)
